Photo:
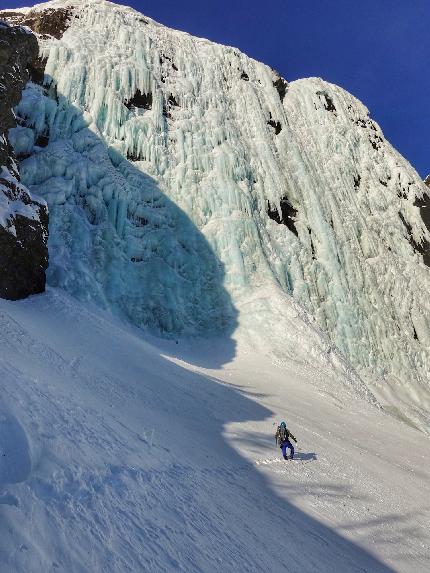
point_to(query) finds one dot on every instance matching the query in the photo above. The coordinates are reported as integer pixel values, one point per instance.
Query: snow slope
(185, 179)
(120, 453)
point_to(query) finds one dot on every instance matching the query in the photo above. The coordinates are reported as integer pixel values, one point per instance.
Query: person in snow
(282, 437)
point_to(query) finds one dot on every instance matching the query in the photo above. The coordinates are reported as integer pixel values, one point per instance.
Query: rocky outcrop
(23, 219)
(50, 22)
(424, 205)
(18, 48)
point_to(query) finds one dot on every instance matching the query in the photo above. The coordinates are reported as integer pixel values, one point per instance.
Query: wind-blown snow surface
(122, 453)
(177, 237)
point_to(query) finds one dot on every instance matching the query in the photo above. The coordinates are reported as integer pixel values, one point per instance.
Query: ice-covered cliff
(188, 183)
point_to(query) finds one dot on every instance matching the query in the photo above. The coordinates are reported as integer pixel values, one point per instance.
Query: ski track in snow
(90, 480)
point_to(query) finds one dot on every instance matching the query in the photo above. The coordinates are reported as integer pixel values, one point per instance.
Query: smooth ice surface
(167, 152)
(121, 453)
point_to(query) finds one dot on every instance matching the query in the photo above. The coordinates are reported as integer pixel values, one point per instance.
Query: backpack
(283, 434)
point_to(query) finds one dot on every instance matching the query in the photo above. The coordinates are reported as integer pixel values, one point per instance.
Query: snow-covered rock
(188, 182)
(23, 218)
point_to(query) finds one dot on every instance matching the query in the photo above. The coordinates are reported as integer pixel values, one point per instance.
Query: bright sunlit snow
(121, 453)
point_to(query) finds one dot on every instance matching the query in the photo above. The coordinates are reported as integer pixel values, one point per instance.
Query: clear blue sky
(377, 49)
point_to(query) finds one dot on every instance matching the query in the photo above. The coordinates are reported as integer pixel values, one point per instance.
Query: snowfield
(120, 452)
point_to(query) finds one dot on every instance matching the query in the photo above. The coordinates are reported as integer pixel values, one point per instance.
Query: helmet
(283, 425)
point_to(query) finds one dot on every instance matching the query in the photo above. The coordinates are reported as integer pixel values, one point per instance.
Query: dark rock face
(280, 84)
(23, 220)
(17, 49)
(37, 70)
(327, 101)
(23, 250)
(275, 124)
(424, 205)
(287, 216)
(424, 247)
(366, 123)
(139, 100)
(49, 22)
(167, 107)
